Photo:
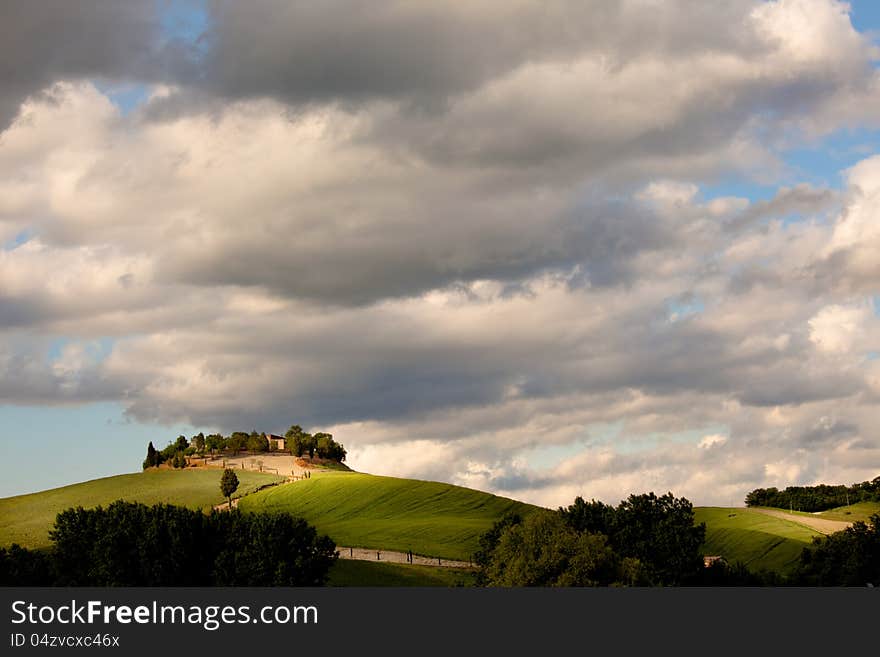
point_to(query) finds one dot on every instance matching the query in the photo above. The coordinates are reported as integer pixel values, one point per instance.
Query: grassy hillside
(361, 510)
(760, 541)
(860, 511)
(367, 573)
(27, 519)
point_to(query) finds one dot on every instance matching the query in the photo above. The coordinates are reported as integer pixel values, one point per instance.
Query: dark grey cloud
(454, 240)
(350, 51)
(43, 42)
(828, 431)
(800, 200)
(22, 312)
(28, 375)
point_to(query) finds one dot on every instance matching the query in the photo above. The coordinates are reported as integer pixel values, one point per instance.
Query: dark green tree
(327, 448)
(660, 533)
(296, 440)
(270, 549)
(846, 558)
(237, 441)
(257, 442)
(129, 544)
(589, 516)
(22, 567)
(152, 457)
(198, 442)
(489, 541)
(228, 485)
(543, 550)
(214, 443)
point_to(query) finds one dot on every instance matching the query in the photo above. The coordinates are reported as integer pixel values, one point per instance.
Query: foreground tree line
(297, 443)
(652, 541)
(815, 498)
(645, 541)
(130, 544)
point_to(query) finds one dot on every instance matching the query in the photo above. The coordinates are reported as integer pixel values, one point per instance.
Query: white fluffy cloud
(504, 277)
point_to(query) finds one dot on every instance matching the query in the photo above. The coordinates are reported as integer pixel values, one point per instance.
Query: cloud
(42, 43)
(344, 51)
(712, 440)
(799, 200)
(461, 233)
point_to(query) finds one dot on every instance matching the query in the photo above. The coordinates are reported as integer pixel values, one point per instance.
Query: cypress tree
(152, 457)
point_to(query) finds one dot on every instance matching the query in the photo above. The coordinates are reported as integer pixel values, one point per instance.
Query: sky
(544, 249)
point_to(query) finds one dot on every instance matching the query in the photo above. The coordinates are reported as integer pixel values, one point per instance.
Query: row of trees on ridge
(297, 442)
(815, 498)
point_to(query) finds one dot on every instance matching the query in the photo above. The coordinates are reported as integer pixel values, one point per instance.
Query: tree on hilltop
(327, 448)
(297, 440)
(152, 456)
(214, 442)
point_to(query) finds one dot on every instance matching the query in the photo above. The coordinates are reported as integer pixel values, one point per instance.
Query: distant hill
(362, 510)
(758, 540)
(355, 509)
(27, 519)
(852, 513)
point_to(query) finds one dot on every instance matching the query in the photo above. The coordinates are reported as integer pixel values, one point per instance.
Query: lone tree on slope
(228, 485)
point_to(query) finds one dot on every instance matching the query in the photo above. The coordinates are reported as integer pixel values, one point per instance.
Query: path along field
(854, 512)
(389, 556)
(821, 525)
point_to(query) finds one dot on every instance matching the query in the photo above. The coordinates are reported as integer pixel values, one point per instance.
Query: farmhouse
(276, 442)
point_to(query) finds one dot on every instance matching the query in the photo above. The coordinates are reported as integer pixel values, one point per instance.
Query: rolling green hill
(361, 510)
(859, 511)
(758, 540)
(27, 519)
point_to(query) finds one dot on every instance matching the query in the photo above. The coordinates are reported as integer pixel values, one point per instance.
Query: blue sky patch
(127, 96)
(22, 238)
(186, 20)
(90, 440)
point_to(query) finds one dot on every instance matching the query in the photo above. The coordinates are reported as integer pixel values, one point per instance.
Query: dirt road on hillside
(819, 524)
(280, 463)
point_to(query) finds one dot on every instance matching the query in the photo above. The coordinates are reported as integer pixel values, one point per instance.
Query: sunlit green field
(361, 510)
(758, 540)
(27, 519)
(859, 511)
